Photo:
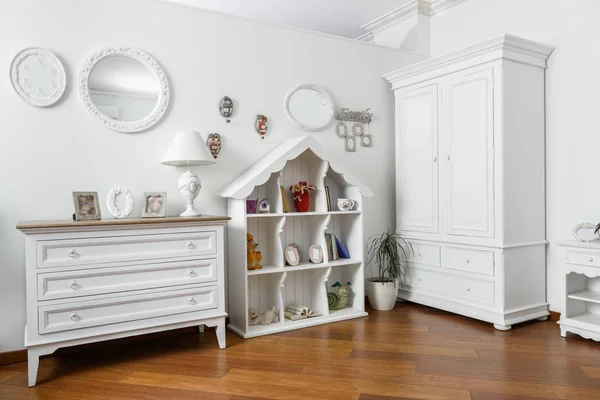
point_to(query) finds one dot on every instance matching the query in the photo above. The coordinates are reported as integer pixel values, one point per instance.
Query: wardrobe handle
(434, 159)
(448, 157)
(467, 261)
(591, 259)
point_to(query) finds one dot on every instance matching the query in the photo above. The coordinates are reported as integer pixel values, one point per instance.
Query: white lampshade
(188, 148)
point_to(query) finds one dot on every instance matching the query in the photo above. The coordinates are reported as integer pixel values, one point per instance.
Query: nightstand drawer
(468, 260)
(578, 257)
(85, 314)
(425, 253)
(97, 251)
(61, 285)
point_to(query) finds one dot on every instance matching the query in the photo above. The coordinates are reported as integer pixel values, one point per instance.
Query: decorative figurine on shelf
(254, 256)
(226, 108)
(301, 195)
(214, 144)
(264, 207)
(251, 206)
(267, 318)
(339, 300)
(262, 125)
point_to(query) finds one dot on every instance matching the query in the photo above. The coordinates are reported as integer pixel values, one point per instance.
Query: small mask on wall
(262, 125)
(214, 144)
(226, 108)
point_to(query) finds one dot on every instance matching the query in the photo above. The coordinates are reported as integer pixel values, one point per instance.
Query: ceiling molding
(507, 47)
(368, 37)
(437, 6)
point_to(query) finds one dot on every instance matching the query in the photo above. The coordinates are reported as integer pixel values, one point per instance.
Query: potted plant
(389, 252)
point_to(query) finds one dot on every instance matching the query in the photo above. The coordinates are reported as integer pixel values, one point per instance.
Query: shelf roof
(275, 161)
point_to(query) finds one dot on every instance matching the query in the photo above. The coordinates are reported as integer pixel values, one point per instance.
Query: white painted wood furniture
(581, 314)
(89, 281)
(470, 180)
(277, 285)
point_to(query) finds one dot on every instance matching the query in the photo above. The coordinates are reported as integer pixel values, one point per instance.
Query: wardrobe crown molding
(507, 47)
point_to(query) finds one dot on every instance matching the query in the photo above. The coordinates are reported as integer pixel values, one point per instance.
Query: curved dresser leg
(503, 327)
(544, 318)
(220, 329)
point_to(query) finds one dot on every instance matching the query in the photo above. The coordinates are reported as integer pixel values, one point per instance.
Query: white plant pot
(382, 296)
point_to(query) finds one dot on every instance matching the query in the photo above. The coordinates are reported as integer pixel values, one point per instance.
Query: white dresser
(90, 281)
(470, 180)
(581, 313)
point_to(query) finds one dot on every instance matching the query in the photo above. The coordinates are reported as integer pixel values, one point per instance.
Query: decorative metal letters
(345, 114)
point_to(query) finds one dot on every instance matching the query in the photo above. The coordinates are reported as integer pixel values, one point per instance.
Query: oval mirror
(124, 88)
(309, 107)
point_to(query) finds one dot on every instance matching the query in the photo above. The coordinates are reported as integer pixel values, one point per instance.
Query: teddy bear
(254, 256)
(266, 318)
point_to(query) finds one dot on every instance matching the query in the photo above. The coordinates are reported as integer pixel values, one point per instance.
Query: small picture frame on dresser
(87, 206)
(155, 205)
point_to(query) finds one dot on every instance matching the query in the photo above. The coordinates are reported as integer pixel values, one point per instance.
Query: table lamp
(188, 149)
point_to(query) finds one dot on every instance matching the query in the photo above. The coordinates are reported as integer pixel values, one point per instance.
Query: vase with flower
(301, 195)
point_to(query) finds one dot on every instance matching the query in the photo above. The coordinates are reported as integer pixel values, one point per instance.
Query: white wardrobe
(470, 180)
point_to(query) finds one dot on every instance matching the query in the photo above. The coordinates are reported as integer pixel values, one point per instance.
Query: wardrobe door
(417, 159)
(469, 160)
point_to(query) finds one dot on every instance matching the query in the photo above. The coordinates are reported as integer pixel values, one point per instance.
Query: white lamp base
(189, 186)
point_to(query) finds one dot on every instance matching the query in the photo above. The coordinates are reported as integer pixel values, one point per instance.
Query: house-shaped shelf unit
(277, 284)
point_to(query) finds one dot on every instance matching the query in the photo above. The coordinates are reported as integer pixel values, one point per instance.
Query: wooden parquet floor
(413, 352)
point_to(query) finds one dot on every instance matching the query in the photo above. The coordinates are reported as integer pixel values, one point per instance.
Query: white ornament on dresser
(470, 132)
(90, 281)
(581, 314)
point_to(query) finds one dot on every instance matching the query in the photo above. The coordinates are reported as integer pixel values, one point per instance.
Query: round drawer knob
(192, 302)
(468, 289)
(73, 254)
(75, 317)
(74, 285)
(191, 246)
(591, 259)
(467, 261)
(192, 274)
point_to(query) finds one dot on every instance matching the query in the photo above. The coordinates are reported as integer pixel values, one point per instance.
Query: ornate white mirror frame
(327, 102)
(124, 126)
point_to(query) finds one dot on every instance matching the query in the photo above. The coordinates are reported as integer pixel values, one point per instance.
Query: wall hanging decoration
(357, 129)
(38, 76)
(302, 196)
(339, 300)
(214, 144)
(262, 125)
(226, 108)
(253, 255)
(264, 207)
(345, 114)
(87, 206)
(366, 141)
(155, 205)
(315, 254)
(124, 88)
(586, 232)
(350, 143)
(123, 210)
(292, 255)
(341, 130)
(309, 107)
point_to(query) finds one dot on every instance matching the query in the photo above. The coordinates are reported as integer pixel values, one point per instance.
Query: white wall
(572, 104)
(48, 153)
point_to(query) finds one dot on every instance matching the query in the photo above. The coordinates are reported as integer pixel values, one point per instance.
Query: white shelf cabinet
(581, 314)
(470, 179)
(277, 285)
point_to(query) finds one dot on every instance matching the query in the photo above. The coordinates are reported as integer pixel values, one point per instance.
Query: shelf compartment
(264, 292)
(270, 269)
(586, 295)
(355, 275)
(267, 234)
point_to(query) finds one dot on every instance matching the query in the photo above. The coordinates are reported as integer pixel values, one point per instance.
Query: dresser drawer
(579, 257)
(452, 285)
(61, 285)
(84, 314)
(97, 251)
(475, 261)
(425, 253)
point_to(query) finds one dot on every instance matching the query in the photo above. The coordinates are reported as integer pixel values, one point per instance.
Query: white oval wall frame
(137, 54)
(327, 102)
(38, 76)
(111, 202)
(585, 232)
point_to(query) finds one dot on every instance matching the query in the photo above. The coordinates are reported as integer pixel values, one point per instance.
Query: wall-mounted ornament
(366, 141)
(262, 125)
(357, 129)
(38, 76)
(112, 199)
(341, 130)
(345, 114)
(214, 144)
(226, 108)
(350, 143)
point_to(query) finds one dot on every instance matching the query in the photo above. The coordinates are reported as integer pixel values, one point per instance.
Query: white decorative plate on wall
(38, 76)
(585, 232)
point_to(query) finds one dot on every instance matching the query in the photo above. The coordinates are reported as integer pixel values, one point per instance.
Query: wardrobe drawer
(61, 285)
(475, 261)
(425, 253)
(579, 257)
(96, 251)
(452, 285)
(84, 314)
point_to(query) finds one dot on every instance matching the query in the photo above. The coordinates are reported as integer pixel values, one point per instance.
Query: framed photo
(155, 205)
(292, 255)
(316, 254)
(87, 206)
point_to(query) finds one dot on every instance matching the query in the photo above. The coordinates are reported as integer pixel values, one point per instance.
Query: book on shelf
(328, 197)
(342, 251)
(295, 312)
(284, 202)
(332, 250)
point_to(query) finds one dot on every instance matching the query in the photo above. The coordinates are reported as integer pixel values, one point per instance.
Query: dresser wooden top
(65, 223)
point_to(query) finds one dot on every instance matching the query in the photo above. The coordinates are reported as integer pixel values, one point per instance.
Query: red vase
(301, 201)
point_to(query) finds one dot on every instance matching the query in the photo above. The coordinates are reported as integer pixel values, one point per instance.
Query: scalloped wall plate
(585, 232)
